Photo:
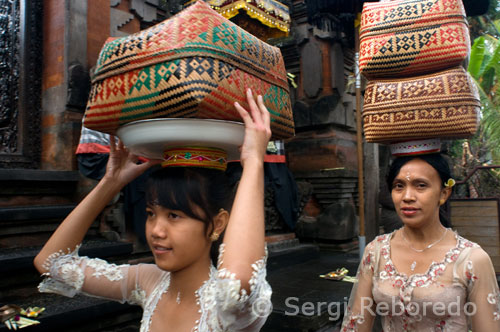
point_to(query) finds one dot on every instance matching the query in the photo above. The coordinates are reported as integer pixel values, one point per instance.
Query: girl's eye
(150, 213)
(173, 215)
(422, 185)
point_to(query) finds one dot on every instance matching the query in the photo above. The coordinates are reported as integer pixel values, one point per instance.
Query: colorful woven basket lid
(416, 147)
(195, 156)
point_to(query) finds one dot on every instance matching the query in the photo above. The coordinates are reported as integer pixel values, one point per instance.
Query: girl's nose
(158, 231)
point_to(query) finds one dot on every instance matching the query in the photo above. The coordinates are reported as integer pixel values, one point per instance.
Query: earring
(214, 237)
(441, 201)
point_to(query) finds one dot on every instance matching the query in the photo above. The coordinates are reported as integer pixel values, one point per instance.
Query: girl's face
(176, 240)
(416, 193)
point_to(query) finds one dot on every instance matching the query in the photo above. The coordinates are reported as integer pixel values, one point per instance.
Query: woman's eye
(422, 185)
(397, 186)
(149, 213)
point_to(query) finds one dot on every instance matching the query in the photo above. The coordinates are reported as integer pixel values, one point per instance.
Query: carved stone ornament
(20, 82)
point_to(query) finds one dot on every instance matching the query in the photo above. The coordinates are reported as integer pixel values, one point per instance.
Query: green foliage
(484, 67)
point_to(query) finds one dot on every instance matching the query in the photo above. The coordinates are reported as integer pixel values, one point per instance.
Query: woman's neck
(424, 234)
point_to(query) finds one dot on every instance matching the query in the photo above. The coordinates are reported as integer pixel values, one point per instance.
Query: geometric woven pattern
(193, 65)
(444, 105)
(409, 37)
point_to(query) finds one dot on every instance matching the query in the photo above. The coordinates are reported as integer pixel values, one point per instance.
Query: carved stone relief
(20, 82)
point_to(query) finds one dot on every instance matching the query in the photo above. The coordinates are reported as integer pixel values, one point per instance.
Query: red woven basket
(194, 65)
(412, 37)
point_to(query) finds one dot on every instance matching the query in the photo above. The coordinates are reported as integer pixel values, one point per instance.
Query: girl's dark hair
(198, 192)
(436, 160)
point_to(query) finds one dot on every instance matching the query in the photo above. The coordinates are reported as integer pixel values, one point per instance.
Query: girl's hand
(122, 166)
(257, 129)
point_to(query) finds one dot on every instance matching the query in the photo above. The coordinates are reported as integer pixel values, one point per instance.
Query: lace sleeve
(482, 289)
(237, 310)
(69, 274)
(357, 316)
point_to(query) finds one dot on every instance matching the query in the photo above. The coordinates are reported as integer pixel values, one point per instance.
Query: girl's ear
(220, 221)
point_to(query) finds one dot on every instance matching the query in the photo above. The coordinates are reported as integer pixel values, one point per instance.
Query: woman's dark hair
(198, 192)
(436, 160)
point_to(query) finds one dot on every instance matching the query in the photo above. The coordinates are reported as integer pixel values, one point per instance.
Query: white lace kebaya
(441, 299)
(224, 306)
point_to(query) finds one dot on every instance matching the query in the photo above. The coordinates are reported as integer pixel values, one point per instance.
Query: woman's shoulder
(380, 240)
(472, 251)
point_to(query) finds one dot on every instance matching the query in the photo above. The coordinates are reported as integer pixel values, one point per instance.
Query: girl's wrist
(110, 185)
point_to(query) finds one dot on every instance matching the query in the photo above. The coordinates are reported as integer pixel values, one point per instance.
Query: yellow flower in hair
(450, 183)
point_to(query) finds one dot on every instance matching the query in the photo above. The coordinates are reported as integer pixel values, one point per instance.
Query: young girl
(188, 210)
(423, 277)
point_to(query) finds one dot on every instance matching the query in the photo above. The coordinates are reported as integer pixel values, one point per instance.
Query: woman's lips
(409, 211)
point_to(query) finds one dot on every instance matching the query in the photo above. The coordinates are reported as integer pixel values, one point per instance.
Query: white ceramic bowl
(149, 138)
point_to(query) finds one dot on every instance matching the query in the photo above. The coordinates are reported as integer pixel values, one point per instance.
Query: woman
(423, 276)
(187, 212)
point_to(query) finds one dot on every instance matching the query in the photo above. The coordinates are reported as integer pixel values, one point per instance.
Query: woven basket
(444, 105)
(412, 37)
(194, 65)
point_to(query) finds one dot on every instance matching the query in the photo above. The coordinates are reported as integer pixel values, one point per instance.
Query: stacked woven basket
(413, 52)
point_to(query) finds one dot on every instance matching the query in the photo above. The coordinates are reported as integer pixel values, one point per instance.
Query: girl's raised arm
(244, 237)
(122, 168)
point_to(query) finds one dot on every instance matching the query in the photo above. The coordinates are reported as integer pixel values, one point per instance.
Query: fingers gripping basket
(193, 65)
(445, 105)
(412, 37)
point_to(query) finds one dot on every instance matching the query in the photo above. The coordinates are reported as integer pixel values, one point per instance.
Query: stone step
(37, 182)
(81, 314)
(35, 213)
(22, 258)
(290, 253)
(24, 278)
(23, 226)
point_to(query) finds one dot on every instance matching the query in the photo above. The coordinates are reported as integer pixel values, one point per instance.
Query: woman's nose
(408, 194)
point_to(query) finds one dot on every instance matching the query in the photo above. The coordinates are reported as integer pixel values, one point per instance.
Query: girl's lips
(158, 250)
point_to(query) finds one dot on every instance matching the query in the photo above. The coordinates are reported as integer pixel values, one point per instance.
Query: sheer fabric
(224, 306)
(455, 294)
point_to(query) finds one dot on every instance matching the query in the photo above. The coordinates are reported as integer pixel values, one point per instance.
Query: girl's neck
(187, 281)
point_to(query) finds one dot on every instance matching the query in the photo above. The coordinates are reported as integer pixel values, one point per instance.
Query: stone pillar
(372, 185)
(64, 46)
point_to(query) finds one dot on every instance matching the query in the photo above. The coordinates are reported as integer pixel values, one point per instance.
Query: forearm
(244, 238)
(71, 231)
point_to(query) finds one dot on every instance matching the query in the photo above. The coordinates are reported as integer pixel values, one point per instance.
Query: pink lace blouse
(455, 294)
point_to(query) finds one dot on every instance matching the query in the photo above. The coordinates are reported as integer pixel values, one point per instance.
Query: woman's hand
(257, 129)
(122, 166)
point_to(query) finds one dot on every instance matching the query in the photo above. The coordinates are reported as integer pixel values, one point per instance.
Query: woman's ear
(220, 221)
(445, 194)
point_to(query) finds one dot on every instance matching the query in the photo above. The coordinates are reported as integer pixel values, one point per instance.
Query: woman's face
(416, 193)
(176, 240)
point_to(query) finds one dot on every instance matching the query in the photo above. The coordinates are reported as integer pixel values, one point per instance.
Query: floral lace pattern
(64, 274)
(459, 279)
(102, 268)
(224, 305)
(407, 284)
